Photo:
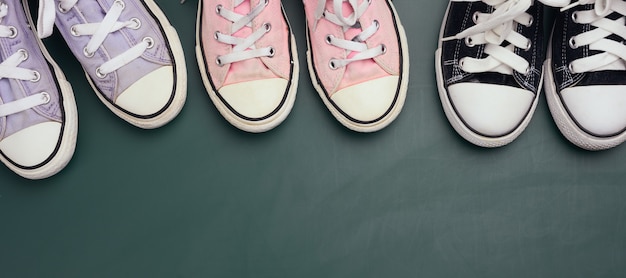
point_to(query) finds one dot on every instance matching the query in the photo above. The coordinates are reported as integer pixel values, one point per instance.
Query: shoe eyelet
(267, 2)
(469, 42)
(36, 76)
(529, 45)
(149, 41)
(527, 72)
(329, 39)
(475, 17)
(99, 73)
(267, 27)
(62, 10)
(461, 63)
(24, 54)
(383, 48)
(531, 20)
(218, 61)
(87, 54)
(575, 17)
(121, 3)
(73, 31)
(332, 64)
(218, 9)
(13, 32)
(137, 23)
(572, 43)
(570, 67)
(272, 52)
(377, 24)
(45, 97)
(216, 35)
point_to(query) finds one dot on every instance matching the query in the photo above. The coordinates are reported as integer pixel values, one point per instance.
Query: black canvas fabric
(459, 18)
(563, 54)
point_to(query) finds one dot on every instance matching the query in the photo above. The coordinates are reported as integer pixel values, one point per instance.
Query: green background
(199, 198)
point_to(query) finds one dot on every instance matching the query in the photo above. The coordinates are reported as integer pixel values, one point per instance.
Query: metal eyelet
(469, 42)
(218, 9)
(332, 64)
(267, 2)
(377, 24)
(121, 3)
(271, 52)
(475, 17)
(531, 20)
(87, 54)
(99, 73)
(36, 76)
(527, 71)
(267, 27)
(528, 45)
(137, 23)
(329, 39)
(461, 63)
(73, 31)
(150, 41)
(383, 48)
(572, 43)
(216, 35)
(62, 10)
(24, 54)
(575, 17)
(570, 67)
(45, 97)
(13, 32)
(218, 61)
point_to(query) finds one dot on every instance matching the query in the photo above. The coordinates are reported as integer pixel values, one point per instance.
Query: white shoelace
(243, 48)
(9, 69)
(493, 29)
(356, 44)
(98, 32)
(613, 53)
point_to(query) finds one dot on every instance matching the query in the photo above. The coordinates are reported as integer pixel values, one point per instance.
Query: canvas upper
(248, 60)
(38, 121)
(358, 60)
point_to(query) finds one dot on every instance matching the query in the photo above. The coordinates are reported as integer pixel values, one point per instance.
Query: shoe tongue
(243, 8)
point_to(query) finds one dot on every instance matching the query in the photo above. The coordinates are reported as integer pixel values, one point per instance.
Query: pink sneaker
(358, 60)
(248, 61)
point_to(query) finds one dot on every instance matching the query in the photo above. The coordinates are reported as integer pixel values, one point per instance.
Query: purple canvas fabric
(93, 11)
(11, 89)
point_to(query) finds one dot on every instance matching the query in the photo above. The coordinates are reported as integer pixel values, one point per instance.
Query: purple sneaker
(130, 53)
(38, 118)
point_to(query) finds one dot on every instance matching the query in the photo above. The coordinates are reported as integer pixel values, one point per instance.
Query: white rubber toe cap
(369, 100)
(491, 110)
(149, 94)
(255, 99)
(33, 145)
(597, 109)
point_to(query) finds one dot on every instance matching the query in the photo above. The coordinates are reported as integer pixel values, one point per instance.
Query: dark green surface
(199, 198)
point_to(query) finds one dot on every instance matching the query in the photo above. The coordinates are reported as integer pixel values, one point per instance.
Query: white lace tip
(569, 6)
(448, 39)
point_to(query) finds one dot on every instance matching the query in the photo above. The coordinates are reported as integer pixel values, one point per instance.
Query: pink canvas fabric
(334, 80)
(252, 69)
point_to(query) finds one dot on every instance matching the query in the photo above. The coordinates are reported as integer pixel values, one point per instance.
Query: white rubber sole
(398, 105)
(180, 92)
(240, 123)
(65, 150)
(566, 124)
(459, 126)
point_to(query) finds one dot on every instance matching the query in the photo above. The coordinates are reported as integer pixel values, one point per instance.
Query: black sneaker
(586, 80)
(489, 67)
